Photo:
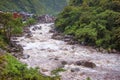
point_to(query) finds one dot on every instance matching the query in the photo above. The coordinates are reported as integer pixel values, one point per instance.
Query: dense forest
(92, 22)
(33, 6)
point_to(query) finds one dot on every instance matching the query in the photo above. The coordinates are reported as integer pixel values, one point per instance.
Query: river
(49, 54)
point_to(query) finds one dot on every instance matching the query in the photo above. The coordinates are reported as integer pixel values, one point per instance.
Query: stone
(88, 64)
(28, 35)
(67, 39)
(85, 64)
(25, 56)
(33, 29)
(14, 38)
(39, 27)
(78, 63)
(2, 51)
(57, 36)
(114, 51)
(71, 42)
(17, 55)
(44, 70)
(63, 62)
(56, 58)
(52, 31)
(68, 36)
(41, 33)
(19, 47)
(75, 69)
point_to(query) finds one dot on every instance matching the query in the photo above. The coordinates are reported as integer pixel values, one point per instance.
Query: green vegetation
(12, 69)
(33, 6)
(10, 26)
(56, 71)
(94, 22)
(88, 78)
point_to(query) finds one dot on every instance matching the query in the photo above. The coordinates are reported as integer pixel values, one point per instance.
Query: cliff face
(33, 6)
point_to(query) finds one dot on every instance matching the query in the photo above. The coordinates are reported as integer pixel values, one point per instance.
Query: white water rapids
(47, 54)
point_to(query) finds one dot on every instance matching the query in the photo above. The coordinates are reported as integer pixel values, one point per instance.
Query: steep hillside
(92, 22)
(33, 6)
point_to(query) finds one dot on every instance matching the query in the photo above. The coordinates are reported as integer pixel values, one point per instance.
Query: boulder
(88, 64)
(63, 62)
(26, 30)
(114, 51)
(14, 38)
(17, 55)
(25, 56)
(29, 35)
(85, 64)
(33, 29)
(44, 70)
(57, 36)
(78, 63)
(51, 31)
(75, 69)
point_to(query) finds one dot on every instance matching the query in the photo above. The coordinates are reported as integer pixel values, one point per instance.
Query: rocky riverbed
(79, 62)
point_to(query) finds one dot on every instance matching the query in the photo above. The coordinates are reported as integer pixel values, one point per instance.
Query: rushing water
(47, 54)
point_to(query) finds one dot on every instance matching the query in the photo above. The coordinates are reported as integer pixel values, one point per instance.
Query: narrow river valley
(79, 62)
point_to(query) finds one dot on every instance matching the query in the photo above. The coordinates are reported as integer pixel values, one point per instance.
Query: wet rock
(68, 36)
(36, 28)
(17, 55)
(51, 50)
(75, 69)
(20, 47)
(13, 43)
(88, 64)
(40, 33)
(29, 35)
(2, 51)
(44, 70)
(83, 43)
(57, 36)
(33, 29)
(25, 56)
(114, 51)
(85, 64)
(14, 38)
(78, 63)
(63, 62)
(101, 49)
(67, 40)
(14, 49)
(56, 58)
(71, 42)
(52, 31)
(26, 30)
(39, 27)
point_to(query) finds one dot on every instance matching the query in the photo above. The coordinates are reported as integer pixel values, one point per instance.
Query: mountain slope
(92, 22)
(33, 6)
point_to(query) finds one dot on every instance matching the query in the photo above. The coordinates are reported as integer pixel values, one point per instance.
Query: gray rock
(52, 31)
(25, 56)
(85, 64)
(88, 64)
(28, 35)
(57, 36)
(114, 51)
(78, 63)
(75, 69)
(63, 62)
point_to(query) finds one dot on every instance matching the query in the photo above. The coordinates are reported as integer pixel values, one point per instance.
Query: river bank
(49, 54)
